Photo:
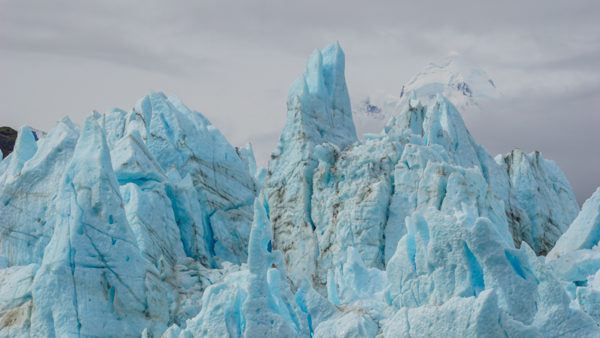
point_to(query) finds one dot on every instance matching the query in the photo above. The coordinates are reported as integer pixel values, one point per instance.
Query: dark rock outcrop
(8, 137)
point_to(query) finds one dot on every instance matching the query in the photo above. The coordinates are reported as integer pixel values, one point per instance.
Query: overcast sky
(234, 61)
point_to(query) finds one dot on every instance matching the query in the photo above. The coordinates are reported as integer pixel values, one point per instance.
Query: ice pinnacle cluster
(120, 226)
(150, 223)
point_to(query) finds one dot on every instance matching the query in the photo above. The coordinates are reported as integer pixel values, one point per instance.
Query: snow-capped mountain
(463, 83)
(150, 223)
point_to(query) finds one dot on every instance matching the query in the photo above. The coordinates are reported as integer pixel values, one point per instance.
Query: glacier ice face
(123, 241)
(350, 198)
(541, 203)
(423, 179)
(350, 324)
(92, 254)
(149, 222)
(181, 138)
(27, 188)
(16, 299)
(255, 302)
(426, 203)
(458, 317)
(247, 155)
(361, 195)
(438, 122)
(447, 266)
(185, 141)
(318, 112)
(538, 200)
(350, 280)
(147, 205)
(269, 309)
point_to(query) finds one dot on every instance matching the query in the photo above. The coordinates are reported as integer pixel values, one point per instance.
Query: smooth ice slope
(584, 233)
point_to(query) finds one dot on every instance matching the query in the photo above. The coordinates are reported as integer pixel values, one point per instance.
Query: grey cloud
(234, 60)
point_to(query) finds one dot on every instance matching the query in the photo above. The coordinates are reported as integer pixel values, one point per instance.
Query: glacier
(149, 223)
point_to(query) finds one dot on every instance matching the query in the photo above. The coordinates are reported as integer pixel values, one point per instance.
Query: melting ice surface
(150, 223)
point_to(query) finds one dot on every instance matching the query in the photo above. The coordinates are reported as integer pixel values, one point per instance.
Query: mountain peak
(455, 77)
